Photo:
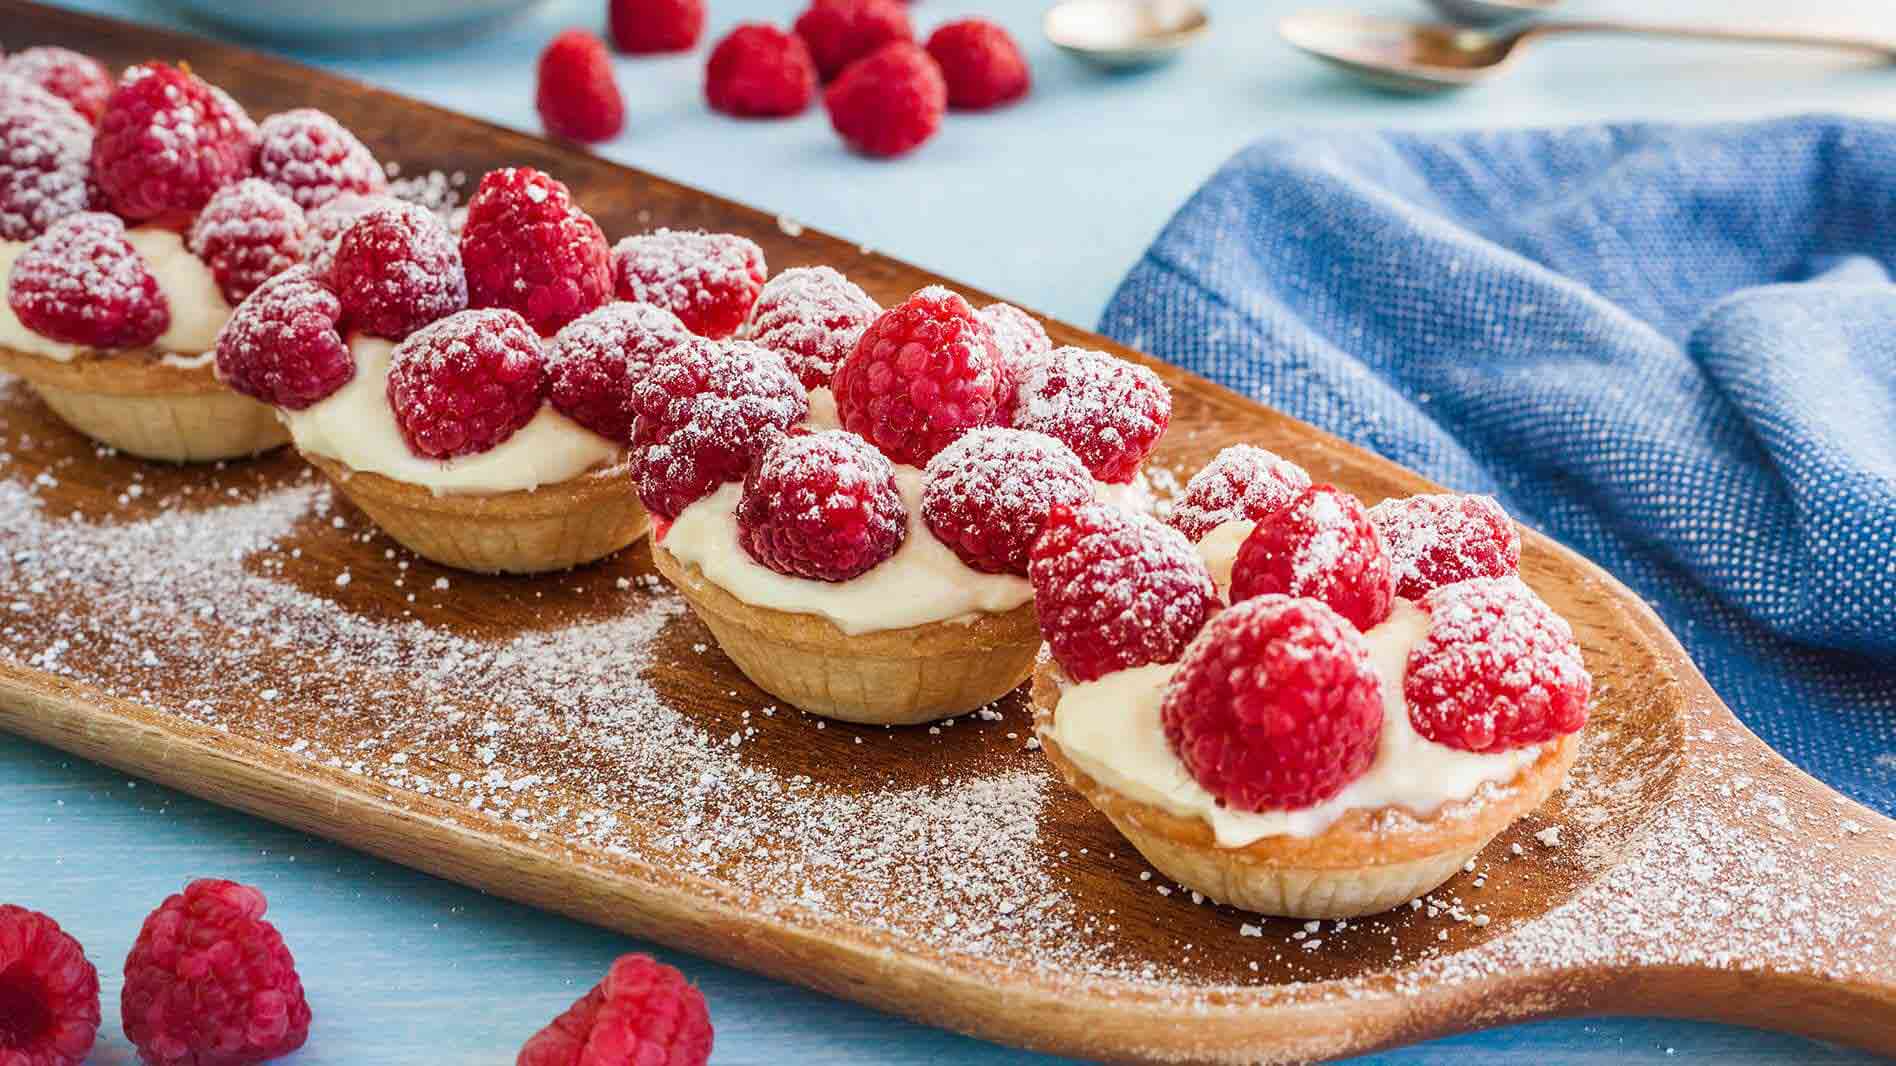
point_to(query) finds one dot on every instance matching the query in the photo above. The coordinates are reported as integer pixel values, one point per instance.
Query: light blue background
(1048, 204)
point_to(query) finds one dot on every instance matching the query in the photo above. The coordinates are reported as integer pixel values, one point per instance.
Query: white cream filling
(823, 409)
(1219, 549)
(198, 309)
(1111, 729)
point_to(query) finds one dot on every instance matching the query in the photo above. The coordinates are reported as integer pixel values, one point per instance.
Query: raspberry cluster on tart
(1294, 704)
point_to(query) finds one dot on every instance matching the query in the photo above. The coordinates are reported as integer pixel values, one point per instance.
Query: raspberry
(641, 27)
(312, 159)
(281, 345)
(759, 70)
(839, 32)
(1319, 545)
(210, 983)
(1437, 540)
(922, 374)
(1018, 337)
(889, 101)
(1275, 706)
(986, 495)
(1497, 669)
(329, 222)
(595, 360)
(1116, 590)
(705, 412)
(45, 158)
(82, 282)
(78, 79)
(981, 64)
(709, 280)
(812, 316)
(248, 233)
(643, 1014)
(529, 248)
(49, 993)
(396, 270)
(1243, 483)
(578, 97)
(167, 141)
(1110, 412)
(822, 506)
(465, 384)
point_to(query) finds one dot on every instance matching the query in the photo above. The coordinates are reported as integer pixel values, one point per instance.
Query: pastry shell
(132, 401)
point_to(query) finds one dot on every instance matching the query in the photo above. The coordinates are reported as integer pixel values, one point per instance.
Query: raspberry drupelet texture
(839, 32)
(704, 413)
(1439, 539)
(1110, 412)
(888, 102)
(922, 374)
(1019, 338)
(822, 506)
(1242, 483)
(248, 233)
(167, 141)
(82, 282)
(760, 71)
(578, 95)
(1116, 590)
(329, 222)
(529, 248)
(1497, 669)
(594, 361)
(981, 64)
(49, 993)
(987, 495)
(709, 280)
(210, 983)
(643, 1014)
(396, 269)
(1320, 545)
(312, 159)
(466, 383)
(812, 316)
(281, 345)
(74, 77)
(642, 27)
(45, 158)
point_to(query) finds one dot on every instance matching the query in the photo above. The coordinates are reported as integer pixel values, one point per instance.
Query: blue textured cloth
(1673, 348)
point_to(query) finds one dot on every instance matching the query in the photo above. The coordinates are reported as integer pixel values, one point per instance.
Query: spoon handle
(1886, 48)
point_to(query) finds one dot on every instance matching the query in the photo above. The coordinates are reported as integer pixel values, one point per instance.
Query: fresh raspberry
(1497, 669)
(1116, 590)
(329, 222)
(1243, 483)
(248, 233)
(1439, 539)
(593, 362)
(1110, 412)
(981, 64)
(839, 32)
(82, 282)
(210, 983)
(759, 70)
(812, 316)
(1319, 545)
(528, 247)
(396, 269)
(986, 495)
(578, 95)
(643, 1014)
(78, 79)
(709, 280)
(49, 993)
(1275, 706)
(45, 159)
(705, 412)
(889, 101)
(167, 141)
(640, 27)
(1018, 337)
(922, 374)
(312, 159)
(281, 345)
(465, 384)
(822, 506)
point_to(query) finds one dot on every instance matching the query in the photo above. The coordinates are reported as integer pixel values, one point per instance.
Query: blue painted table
(1047, 203)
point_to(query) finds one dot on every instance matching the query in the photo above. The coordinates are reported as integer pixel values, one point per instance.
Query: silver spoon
(1421, 57)
(1490, 12)
(1125, 33)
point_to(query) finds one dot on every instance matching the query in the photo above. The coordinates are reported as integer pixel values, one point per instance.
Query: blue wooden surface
(1048, 204)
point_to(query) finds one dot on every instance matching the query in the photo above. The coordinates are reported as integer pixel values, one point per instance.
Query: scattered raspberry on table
(578, 97)
(839, 32)
(49, 993)
(643, 1014)
(760, 71)
(642, 27)
(981, 64)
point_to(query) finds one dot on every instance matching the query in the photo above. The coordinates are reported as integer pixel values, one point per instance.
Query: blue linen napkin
(1672, 348)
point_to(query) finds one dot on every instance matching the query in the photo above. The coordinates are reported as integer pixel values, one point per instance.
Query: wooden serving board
(577, 742)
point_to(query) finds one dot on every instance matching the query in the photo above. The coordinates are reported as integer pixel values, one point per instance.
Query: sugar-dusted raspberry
(1319, 545)
(1439, 539)
(74, 77)
(593, 362)
(578, 95)
(329, 222)
(1110, 412)
(643, 1014)
(49, 993)
(758, 70)
(210, 983)
(396, 269)
(981, 64)
(528, 247)
(248, 233)
(1275, 706)
(709, 280)
(281, 345)
(888, 102)
(466, 383)
(1497, 669)
(45, 158)
(312, 158)
(81, 282)
(167, 141)
(641, 27)
(1018, 337)
(705, 412)
(1116, 590)
(987, 495)
(1243, 483)
(822, 506)
(812, 316)
(839, 32)
(921, 375)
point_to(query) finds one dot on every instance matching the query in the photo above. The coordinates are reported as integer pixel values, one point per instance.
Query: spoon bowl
(1125, 34)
